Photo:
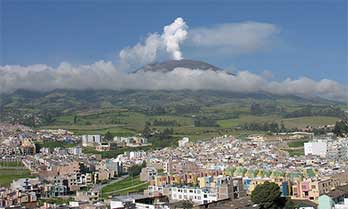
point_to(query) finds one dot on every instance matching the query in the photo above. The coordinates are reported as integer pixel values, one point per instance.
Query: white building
(75, 150)
(338, 149)
(136, 154)
(214, 189)
(131, 141)
(183, 141)
(121, 139)
(318, 148)
(331, 148)
(45, 150)
(135, 201)
(196, 195)
(90, 140)
(344, 205)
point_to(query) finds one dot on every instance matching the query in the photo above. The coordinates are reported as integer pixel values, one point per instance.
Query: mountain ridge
(170, 65)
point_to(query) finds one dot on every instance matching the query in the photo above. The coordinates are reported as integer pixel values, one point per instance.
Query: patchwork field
(125, 186)
(315, 121)
(122, 122)
(7, 175)
(297, 143)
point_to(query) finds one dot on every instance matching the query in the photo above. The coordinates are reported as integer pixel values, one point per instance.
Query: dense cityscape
(216, 173)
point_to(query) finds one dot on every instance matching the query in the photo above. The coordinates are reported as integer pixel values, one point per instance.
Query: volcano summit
(170, 65)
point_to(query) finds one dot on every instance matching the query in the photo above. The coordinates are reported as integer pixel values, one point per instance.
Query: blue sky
(312, 40)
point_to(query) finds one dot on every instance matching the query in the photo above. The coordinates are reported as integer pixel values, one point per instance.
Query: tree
(289, 204)
(166, 133)
(282, 127)
(147, 131)
(267, 196)
(108, 136)
(341, 128)
(135, 170)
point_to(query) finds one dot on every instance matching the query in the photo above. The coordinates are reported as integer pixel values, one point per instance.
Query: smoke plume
(166, 45)
(173, 35)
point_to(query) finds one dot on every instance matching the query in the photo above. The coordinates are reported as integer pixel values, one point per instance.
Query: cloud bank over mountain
(233, 37)
(105, 75)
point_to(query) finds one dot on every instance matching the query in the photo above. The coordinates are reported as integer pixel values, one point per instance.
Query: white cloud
(236, 38)
(104, 75)
(229, 38)
(141, 54)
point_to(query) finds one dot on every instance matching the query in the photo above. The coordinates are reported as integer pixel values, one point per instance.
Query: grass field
(7, 175)
(294, 152)
(11, 164)
(314, 121)
(52, 144)
(125, 186)
(230, 123)
(297, 144)
(300, 122)
(95, 129)
(181, 120)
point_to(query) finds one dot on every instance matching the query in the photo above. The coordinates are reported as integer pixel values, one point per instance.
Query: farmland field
(196, 114)
(315, 121)
(122, 122)
(125, 186)
(7, 175)
(297, 143)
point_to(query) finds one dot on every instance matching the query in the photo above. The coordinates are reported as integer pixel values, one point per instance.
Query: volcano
(170, 65)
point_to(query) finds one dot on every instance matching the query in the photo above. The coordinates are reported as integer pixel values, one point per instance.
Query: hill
(60, 102)
(170, 65)
(195, 113)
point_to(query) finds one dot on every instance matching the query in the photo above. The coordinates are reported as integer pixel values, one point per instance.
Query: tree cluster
(310, 110)
(268, 196)
(136, 169)
(261, 109)
(341, 128)
(205, 122)
(161, 122)
(108, 136)
(266, 126)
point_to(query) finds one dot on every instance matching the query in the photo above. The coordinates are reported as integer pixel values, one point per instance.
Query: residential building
(27, 147)
(148, 174)
(209, 189)
(318, 148)
(90, 140)
(183, 141)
